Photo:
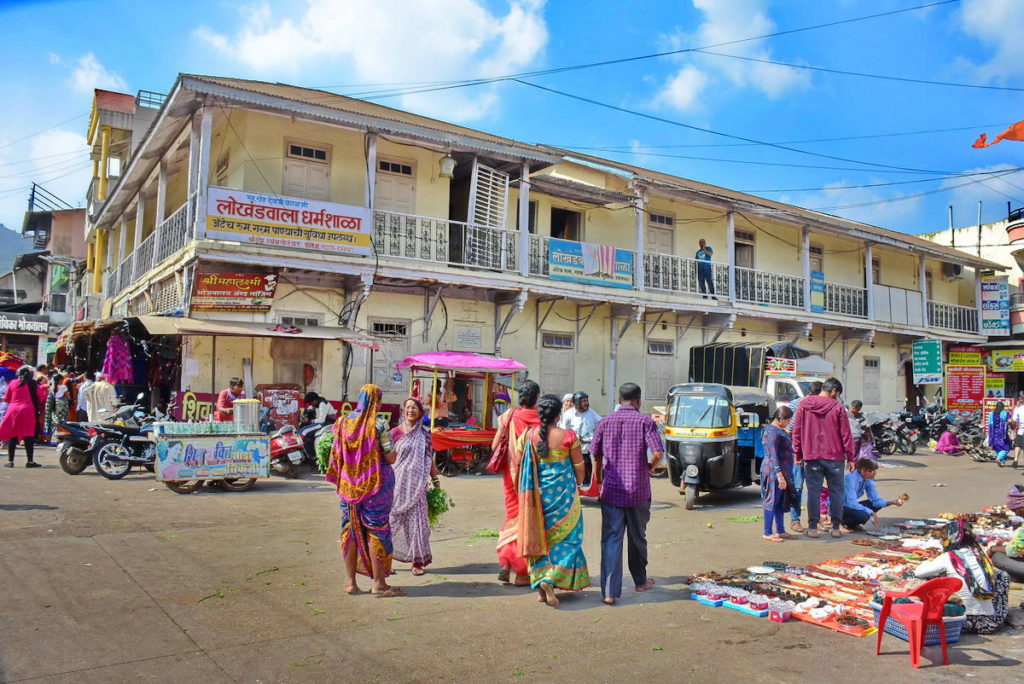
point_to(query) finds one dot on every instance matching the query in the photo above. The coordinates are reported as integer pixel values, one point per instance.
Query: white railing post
(641, 238)
(730, 247)
(977, 300)
(805, 258)
(869, 280)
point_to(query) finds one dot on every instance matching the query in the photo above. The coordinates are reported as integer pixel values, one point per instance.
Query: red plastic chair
(915, 617)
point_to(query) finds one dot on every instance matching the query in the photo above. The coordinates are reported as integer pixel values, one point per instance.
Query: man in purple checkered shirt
(622, 440)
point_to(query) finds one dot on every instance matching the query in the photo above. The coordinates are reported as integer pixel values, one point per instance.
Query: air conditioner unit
(952, 271)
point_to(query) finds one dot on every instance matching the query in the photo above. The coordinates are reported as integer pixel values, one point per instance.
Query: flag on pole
(1014, 132)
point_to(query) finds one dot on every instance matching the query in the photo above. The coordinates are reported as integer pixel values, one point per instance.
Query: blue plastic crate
(954, 626)
(743, 608)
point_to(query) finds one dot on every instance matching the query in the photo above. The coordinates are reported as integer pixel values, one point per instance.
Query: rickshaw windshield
(699, 410)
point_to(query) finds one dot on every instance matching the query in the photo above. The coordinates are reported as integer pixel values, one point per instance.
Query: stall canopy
(166, 325)
(467, 362)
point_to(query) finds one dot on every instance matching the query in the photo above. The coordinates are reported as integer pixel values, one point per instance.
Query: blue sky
(61, 50)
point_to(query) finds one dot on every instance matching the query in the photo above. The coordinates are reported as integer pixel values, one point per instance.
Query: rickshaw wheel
(690, 492)
(445, 465)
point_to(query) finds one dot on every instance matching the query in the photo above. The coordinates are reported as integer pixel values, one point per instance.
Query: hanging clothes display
(117, 364)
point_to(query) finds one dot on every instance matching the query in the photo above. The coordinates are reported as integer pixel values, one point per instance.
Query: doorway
(565, 224)
(557, 363)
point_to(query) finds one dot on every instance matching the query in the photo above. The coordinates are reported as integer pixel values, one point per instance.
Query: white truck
(781, 369)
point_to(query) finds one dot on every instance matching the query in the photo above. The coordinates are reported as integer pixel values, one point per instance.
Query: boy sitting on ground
(860, 483)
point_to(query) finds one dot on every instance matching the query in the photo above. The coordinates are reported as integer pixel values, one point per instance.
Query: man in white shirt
(582, 420)
(101, 398)
(82, 407)
(1018, 441)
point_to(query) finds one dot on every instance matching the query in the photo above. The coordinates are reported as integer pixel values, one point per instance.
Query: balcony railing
(762, 287)
(682, 274)
(846, 300)
(1017, 300)
(953, 317)
(170, 236)
(406, 236)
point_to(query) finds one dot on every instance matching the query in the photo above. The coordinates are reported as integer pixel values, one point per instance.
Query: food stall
(461, 446)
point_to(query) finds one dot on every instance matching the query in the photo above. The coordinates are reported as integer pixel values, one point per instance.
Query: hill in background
(11, 245)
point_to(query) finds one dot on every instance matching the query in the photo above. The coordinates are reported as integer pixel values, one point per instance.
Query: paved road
(121, 581)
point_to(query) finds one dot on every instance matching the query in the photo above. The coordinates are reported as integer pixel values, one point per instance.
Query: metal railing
(170, 236)
(1016, 300)
(847, 300)
(407, 236)
(953, 317)
(1015, 215)
(682, 274)
(174, 233)
(762, 287)
(144, 256)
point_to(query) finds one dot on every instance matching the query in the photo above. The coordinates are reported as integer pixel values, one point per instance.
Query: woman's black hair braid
(549, 408)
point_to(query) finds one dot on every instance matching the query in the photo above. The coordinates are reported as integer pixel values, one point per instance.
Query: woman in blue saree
(998, 437)
(550, 516)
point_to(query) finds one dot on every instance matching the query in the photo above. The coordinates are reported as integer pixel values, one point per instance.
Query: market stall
(465, 445)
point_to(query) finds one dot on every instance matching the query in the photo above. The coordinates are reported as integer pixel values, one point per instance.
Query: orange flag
(1014, 132)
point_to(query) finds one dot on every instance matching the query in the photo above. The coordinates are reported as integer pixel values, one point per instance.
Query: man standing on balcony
(705, 275)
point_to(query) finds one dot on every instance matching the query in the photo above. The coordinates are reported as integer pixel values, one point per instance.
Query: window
(58, 302)
(557, 340)
(661, 347)
(871, 362)
(393, 349)
(532, 226)
(220, 176)
(876, 271)
(300, 321)
(307, 152)
(744, 248)
(928, 284)
(565, 224)
(390, 328)
(661, 219)
(784, 392)
(395, 167)
(699, 410)
(817, 256)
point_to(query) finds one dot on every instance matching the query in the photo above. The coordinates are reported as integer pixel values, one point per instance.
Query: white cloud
(91, 74)
(997, 23)
(57, 159)
(683, 91)
(873, 206)
(725, 21)
(400, 41)
(991, 192)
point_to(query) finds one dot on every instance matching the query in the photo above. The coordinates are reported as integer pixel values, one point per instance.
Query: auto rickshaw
(713, 436)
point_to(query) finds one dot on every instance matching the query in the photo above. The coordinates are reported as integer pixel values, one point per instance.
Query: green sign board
(927, 360)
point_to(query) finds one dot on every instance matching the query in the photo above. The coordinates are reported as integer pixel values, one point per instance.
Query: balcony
(683, 275)
(846, 300)
(953, 317)
(170, 236)
(442, 241)
(762, 287)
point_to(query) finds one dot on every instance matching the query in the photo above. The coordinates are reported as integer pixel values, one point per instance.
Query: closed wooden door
(310, 180)
(872, 381)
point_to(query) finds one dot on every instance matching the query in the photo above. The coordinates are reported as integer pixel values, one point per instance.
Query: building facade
(429, 235)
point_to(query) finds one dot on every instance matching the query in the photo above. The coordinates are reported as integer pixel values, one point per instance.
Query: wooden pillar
(730, 246)
(869, 278)
(101, 193)
(641, 238)
(161, 193)
(805, 259)
(371, 169)
(140, 213)
(203, 170)
(524, 220)
(922, 282)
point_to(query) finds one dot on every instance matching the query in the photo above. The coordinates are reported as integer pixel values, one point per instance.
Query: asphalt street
(111, 581)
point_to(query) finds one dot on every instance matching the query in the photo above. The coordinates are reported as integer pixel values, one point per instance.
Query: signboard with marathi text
(197, 406)
(817, 292)
(585, 262)
(964, 356)
(927, 362)
(965, 388)
(203, 457)
(251, 292)
(995, 386)
(1007, 360)
(290, 222)
(995, 306)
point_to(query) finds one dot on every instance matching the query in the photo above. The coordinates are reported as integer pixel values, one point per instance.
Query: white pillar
(122, 239)
(730, 248)
(641, 238)
(524, 220)
(371, 169)
(140, 213)
(805, 258)
(203, 170)
(977, 299)
(922, 282)
(161, 193)
(869, 279)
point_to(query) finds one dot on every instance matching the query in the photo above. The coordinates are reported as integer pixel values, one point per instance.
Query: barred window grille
(166, 295)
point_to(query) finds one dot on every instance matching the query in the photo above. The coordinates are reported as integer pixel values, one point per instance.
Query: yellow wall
(844, 259)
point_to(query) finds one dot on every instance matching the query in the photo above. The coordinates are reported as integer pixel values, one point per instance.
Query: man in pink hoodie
(822, 442)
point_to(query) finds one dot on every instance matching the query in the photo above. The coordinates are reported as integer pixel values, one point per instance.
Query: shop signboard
(995, 386)
(927, 362)
(585, 262)
(965, 388)
(291, 222)
(817, 292)
(23, 323)
(249, 292)
(1007, 360)
(198, 406)
(995, 306)
(203, 457)
(960, 355)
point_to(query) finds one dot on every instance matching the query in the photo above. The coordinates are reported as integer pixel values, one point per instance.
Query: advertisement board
(817, 292)
(290, 222)
(585, 262)
(1007, 360)
(995, 386)
(250, 292)
(960, 355)
(965, 387)
(926, 356)
(204, 457)
(995, 306)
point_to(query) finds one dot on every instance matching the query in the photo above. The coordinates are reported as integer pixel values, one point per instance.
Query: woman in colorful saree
(360, 468)
(410, 531)
(550, 516)
(511, 427)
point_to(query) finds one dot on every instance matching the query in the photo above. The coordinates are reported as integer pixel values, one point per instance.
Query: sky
(698, 115)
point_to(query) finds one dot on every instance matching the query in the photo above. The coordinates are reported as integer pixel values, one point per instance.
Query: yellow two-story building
(427, 235)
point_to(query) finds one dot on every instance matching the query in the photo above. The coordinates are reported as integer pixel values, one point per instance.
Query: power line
(878, 185)
(858, 73)
(43, 130)
(905, 197)
(672, 122)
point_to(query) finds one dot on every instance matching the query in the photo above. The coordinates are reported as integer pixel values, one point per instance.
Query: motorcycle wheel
(107, 462)
(908, 446)
(887, 444)
(237, 484)
(183, 486)
(73, 461)
(690, 492)
(284, 468)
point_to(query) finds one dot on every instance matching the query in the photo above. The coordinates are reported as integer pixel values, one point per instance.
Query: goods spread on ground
(846, 594)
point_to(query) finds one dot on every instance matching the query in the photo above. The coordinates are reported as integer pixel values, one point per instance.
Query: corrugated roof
(323, 98)
(115, 102)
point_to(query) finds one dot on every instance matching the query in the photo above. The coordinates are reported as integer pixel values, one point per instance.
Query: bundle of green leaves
(438, 503)
(322, 446)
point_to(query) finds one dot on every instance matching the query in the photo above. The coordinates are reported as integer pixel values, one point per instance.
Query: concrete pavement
(112, 581)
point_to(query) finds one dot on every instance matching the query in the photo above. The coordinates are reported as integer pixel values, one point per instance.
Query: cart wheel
(690, 492)
(445, 465)
(237, 484)
(183, 486)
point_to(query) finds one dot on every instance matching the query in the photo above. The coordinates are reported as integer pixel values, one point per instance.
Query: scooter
(73, 446)
(286, 451)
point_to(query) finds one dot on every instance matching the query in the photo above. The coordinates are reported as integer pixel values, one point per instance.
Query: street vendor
(226, 400)
(438, 402)
(861, 500)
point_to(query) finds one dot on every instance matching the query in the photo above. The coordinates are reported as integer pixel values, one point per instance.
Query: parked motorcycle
(906, 434)
(73, 446)
(287, 450)
(123, 442)
(882, 432)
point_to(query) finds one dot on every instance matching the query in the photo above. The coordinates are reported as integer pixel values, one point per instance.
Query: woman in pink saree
(410, 531)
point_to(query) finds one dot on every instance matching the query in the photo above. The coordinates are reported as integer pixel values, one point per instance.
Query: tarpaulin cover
(456, 438)
(460, 361)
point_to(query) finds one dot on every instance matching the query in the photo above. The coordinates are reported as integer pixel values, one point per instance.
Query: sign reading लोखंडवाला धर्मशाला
(292, 222)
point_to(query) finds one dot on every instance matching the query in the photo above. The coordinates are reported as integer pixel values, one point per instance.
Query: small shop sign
(202, 457)
(591, 264)
(926, 357)
(249, 292)
(965, 388)
(1008, 360)
(30, 323)
(995, 306)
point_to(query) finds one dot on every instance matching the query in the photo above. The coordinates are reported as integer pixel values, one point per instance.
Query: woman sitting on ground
(777, 474)
(985, 590)
(948, 443)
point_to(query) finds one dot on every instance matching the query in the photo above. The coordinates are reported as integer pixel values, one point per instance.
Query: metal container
(246, 413)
